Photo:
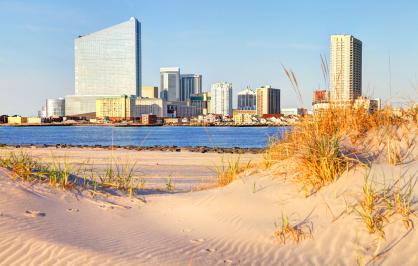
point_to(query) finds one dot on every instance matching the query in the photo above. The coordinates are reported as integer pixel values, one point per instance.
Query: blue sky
(243, 42)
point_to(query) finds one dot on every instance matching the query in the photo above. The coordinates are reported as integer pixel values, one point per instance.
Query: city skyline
(219, 51)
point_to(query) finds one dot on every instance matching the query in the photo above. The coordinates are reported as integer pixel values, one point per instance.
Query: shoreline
(197, 149)
(140, 125)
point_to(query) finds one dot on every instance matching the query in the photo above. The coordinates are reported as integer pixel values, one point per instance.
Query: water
(244, 137)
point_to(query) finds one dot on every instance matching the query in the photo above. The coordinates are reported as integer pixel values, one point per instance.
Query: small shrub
(371, 209)
(119, 176)
(170, 185)
(377, 206)
(228, 172)
(23, 165)
(296, 233)
(402, 203)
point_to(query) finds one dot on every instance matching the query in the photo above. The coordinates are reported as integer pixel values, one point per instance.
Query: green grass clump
(295, 232)
(228, 171)
(120, 176)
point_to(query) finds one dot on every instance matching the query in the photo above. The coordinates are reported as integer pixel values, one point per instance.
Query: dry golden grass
(228, 171)
(298, 232)
(328, 143)
(399, 142)
(23, 166)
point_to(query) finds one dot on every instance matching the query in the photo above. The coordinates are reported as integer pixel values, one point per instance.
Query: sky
(242, 42)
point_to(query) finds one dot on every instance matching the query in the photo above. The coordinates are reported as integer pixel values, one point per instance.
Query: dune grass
(378, 205)
(119, 176)
(23, 165)
(327, 144)
(228, 171)
(292, 232)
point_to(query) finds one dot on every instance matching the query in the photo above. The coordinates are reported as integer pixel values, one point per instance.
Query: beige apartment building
(128, 107)
(345, 68)
(115, 107)
(268, 100)
(243, 116)
(149, 92)
(18, 120)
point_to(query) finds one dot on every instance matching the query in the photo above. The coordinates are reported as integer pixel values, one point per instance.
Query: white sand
(186, 169)
(233, 225)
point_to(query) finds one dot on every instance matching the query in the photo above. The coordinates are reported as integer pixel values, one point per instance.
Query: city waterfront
(225, 137)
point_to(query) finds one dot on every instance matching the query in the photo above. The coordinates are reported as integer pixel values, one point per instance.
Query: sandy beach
(186, 169)
(230, 225)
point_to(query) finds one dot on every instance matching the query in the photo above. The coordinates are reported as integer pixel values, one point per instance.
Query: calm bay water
(244, 137)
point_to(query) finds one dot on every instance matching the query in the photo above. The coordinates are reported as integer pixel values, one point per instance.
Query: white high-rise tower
(221, 100)
(345, 68)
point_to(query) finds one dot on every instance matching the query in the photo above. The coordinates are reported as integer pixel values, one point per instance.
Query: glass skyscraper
(247, 99)
(190, 84)
(107, 63)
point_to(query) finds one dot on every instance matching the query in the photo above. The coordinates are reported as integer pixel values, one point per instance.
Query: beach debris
(199, 240)
(34, 214)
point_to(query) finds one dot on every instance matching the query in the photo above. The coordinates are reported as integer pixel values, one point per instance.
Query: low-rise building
(126, 107)
(294, 111)
(3, 119)
(115, 107)
(147, 119)
(243, 116)
(181, 109)
(16, 120)
(151, 106)
(34, 120)
(172, 120)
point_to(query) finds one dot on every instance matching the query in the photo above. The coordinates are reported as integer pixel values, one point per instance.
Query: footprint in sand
(72, 210)
(228, 261)
(210, 250)
(200, 240)
(34, 214)
(106, 207)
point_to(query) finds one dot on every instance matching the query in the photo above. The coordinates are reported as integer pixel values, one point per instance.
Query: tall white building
(221, 98)
(170, 83)
(345, 68)
(190, 84)
(107, 63)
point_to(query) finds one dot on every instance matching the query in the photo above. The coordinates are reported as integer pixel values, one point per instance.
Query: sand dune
(232, 225)
(187, 169)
